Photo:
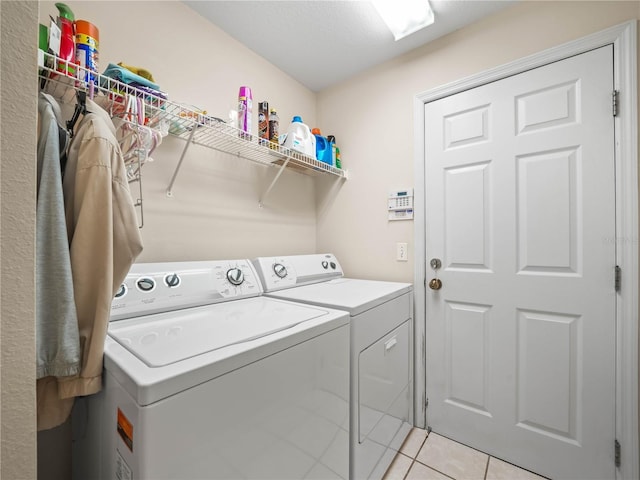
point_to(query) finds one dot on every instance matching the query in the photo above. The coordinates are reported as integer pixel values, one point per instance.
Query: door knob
(435, 284)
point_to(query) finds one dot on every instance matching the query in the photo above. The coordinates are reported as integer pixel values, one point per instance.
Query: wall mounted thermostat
(400, 204)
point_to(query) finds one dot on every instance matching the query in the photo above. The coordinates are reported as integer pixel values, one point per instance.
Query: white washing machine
(381, 349)
(205, 378)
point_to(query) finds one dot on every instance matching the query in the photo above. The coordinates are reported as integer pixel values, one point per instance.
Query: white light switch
(402, 255)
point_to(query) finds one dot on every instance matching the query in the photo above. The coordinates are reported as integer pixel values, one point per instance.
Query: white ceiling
(323, 42)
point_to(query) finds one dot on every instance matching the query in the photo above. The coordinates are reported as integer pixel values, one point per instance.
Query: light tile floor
(433, 457)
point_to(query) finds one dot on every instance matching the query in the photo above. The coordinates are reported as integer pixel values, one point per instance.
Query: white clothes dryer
(206, 378)
(381, 349)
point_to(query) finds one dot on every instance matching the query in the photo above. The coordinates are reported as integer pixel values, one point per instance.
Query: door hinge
(426, 402)
(615, 100)
(618, 281)
(617, 453)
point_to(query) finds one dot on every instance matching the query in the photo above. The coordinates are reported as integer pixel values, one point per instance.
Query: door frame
(623, 39)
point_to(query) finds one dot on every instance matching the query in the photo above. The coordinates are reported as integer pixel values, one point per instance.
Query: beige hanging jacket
(104, 241)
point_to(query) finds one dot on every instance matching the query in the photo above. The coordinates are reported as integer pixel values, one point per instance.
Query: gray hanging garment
(57, 338)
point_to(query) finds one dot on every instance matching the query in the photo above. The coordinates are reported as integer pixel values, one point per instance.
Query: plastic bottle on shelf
(274, 128)
(334, 151)
(338, 159)
(299, 138)
(323, 147)
(87, 44)
(245, 110)
(67, 52)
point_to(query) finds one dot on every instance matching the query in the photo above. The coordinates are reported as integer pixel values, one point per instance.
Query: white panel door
(520, 209)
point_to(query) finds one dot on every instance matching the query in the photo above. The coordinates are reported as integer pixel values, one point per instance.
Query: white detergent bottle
(300, 138)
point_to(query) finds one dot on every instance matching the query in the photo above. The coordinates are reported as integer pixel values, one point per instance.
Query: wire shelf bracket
(184, 153)
(272, 184)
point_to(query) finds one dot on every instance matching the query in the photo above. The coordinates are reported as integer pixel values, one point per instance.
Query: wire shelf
(61, 79)
(226, 138)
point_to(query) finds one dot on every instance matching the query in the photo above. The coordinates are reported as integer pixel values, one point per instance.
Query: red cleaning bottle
(67, 53)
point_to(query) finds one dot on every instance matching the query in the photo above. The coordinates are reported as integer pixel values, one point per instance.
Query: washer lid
(354, 295)
(165, 338)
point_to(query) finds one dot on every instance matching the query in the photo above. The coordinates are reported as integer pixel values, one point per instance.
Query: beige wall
(373, 117)
(17, 241)
(214, 212)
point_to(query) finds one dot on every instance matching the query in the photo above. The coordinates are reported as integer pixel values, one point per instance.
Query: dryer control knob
(146, 284)
(172, 280)
(325, 264)
(280, 270)
(235, 276)
(122, 291)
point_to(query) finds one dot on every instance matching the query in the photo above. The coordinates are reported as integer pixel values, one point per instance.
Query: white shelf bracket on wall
(273, 182)
(184, 153)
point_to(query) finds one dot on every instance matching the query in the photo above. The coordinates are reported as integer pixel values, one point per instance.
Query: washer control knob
(235, 276)
(146, 284)
(280, 270)
(333, 265)
(325, 264)
(172, 280)
(122, 291)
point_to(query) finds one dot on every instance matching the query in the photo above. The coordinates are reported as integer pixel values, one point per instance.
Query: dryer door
(384, 387)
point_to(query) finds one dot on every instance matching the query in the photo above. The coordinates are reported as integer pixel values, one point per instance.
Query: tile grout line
(409, 469)
(413, 459)
(463, 444)
(424, 464)
(435, 470)
(486, 470)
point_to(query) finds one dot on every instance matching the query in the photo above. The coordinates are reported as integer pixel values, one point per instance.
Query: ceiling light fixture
(404, 17)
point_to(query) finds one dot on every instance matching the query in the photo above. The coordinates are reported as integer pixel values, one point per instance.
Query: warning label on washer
(123, 472)
(125, 430)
